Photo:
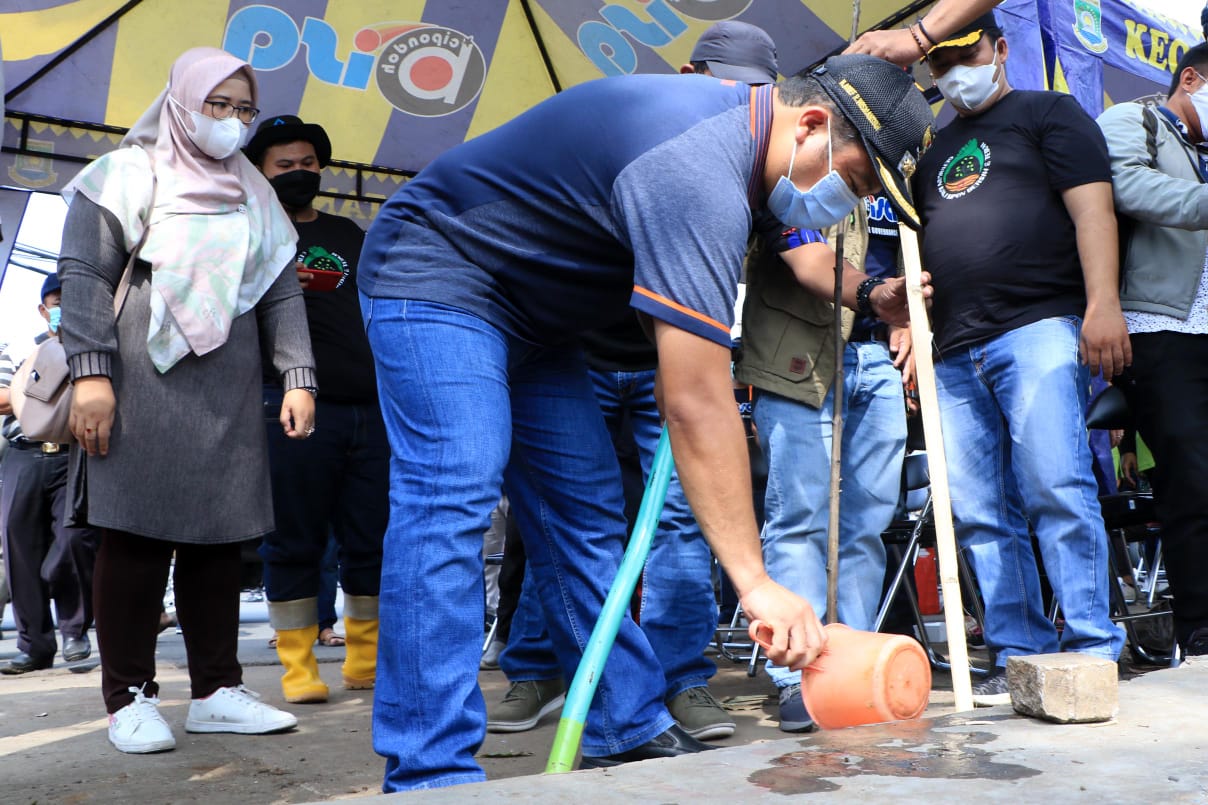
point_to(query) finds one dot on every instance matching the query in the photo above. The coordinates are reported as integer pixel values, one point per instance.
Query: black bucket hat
(288, 129)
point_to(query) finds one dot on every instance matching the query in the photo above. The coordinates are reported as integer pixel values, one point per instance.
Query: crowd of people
(522, 321)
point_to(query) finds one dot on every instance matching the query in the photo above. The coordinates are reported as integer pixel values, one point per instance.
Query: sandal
(328, 637)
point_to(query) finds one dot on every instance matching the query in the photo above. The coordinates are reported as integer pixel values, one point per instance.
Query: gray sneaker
(992, 690)
(793, 715)
(700, 715)
(524, 704)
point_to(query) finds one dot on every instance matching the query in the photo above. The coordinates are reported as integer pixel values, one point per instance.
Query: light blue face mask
(56, 315)
(825, 204)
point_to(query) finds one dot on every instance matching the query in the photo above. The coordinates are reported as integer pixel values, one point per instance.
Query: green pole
(595, 655)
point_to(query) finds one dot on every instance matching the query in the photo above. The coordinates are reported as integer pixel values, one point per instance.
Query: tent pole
(67, 52)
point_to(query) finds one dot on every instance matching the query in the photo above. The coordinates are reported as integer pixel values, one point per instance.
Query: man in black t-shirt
(336, 482)
(1019, 235)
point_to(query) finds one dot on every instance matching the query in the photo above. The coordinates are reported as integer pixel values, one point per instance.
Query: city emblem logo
(1088, 25)
(964, 172)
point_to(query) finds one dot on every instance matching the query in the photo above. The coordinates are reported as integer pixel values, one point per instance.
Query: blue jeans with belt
(1013, 413)
(468, 408)
(796, 439)
(678, 608)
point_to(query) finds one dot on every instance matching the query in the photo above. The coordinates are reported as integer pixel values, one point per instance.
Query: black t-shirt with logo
(997, 238)
(343, 361)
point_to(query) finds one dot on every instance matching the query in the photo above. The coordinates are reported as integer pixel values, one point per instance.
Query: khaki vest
(788, 338)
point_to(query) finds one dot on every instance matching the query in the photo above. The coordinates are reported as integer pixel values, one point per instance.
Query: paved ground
(53, 746)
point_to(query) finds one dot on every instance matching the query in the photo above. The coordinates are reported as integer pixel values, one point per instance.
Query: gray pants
(44, 558)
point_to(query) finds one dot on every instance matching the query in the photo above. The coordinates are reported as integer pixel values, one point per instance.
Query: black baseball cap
(971, 33)
(288, 129)
(737, 51)
(893, 118)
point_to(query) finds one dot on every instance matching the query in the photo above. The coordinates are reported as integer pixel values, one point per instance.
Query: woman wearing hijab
(167, 409)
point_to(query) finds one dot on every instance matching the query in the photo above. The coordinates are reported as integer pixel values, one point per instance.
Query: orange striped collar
(761, 132)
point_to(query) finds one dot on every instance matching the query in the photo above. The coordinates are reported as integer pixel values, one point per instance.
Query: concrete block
(1067, 688)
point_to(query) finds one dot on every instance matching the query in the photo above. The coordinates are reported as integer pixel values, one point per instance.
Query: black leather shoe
(672, 743)
(24, 663)
(76, 648)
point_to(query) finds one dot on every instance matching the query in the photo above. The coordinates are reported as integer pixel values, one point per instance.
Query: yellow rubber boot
(361, 640)
(296, 649)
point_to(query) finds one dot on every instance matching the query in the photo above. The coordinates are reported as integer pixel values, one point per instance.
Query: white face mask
(969, 87)
(1199, 101)
(214, 138)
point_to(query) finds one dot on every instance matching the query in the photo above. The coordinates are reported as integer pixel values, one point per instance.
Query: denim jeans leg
(565, 488)
(443, 385)
(796, 440)
(987, 508)
(678, 607)
(1042, 388)
(529, 653)
(363, 504)
(874, 443)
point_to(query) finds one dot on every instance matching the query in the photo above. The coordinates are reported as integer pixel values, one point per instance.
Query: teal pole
(595, 655)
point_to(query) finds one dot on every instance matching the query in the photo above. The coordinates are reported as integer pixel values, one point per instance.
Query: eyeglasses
(222, 110)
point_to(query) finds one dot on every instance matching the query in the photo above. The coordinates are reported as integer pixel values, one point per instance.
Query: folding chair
(903, 538)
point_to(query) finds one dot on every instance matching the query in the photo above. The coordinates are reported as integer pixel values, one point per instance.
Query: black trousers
(44, 558)
(131, 576)
(1169, 398)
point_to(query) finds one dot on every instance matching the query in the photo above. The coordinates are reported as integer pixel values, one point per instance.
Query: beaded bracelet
(917, 41)
(864, 295)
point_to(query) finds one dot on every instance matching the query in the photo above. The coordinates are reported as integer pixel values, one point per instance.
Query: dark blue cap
(49, 285)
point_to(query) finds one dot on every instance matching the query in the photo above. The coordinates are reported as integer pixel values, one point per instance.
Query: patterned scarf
(218, 236)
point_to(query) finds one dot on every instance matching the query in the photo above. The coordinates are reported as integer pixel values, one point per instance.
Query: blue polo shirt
(634, 191)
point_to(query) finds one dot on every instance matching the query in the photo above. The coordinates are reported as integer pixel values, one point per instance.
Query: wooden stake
(945, 536)
(837, 398)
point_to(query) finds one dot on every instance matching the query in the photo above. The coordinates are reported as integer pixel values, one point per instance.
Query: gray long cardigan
(188, 459)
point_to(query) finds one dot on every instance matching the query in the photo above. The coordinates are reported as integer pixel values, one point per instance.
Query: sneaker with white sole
(138, 728)
(524, 704)
(700, 714)
(992, 690)
(238, 710)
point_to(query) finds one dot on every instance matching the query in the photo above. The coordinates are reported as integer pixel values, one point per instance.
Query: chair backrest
(917, 479)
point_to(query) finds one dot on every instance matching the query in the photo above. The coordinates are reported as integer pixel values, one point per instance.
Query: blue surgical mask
(56, 315)
(825, 204)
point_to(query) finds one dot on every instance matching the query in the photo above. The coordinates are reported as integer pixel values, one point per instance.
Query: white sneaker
(238, 710)
(139, 729)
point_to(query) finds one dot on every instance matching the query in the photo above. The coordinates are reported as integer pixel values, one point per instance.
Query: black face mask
(296, 189)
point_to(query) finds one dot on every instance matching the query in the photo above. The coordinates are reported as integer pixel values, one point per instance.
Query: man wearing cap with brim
(1019, 235)
(733, 50)
(45, 559)
(634, 191)
(334, 483)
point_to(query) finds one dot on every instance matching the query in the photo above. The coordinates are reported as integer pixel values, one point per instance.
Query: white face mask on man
(1199, 101)
(969, 87)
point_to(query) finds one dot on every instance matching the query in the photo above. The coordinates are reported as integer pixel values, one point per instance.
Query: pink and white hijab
(218, 236)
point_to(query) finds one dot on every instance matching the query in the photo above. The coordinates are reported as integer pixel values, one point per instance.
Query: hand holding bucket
(861, 677)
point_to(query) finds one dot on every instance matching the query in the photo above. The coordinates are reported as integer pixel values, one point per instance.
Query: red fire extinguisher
(926, 581)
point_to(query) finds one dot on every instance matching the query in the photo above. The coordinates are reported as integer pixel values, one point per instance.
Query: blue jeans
(1014, 423)
(468, 409)
(333, 483)
(797, 439)
(678, 608)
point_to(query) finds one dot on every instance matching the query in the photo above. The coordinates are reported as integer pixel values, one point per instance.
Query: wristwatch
(864, 295)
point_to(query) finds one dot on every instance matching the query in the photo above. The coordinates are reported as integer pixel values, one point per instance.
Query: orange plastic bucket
(866, 678)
